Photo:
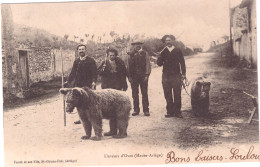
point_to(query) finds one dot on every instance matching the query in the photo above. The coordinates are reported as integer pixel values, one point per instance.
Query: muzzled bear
(92, 106)
(200, 97)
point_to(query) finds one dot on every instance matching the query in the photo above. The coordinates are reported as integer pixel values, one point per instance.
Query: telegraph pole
(7, 37)
(230, 30)
(62, 84)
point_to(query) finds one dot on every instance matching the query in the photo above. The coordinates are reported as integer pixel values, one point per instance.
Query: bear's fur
(200, 97)
(93, 105)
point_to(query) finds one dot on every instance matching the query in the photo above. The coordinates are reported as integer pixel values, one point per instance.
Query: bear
(93, 105)
(200, 97)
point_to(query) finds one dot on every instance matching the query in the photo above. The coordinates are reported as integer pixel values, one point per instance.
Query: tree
(143, 35)
(136, 36)
(112, 33)
(99, 38)
(81, 40)
(86, 35)
(66, 36)
(225, 37)
(55, 39)
(64, 41)
(92, 37)
(75, 37)
(128, 38)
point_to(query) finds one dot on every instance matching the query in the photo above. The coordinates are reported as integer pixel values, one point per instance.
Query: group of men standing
(114, 73)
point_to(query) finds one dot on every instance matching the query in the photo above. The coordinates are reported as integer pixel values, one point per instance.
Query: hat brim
(137, 43)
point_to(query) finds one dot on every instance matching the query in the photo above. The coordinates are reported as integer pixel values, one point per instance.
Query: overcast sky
(193, 21)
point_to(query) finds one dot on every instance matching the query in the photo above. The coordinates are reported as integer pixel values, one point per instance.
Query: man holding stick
(83, 72)
(174, 71)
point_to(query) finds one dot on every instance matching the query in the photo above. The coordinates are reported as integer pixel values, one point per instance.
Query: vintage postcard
(150, 82)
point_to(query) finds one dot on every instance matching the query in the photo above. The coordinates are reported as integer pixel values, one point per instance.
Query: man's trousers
(172, 85)
(138, 80)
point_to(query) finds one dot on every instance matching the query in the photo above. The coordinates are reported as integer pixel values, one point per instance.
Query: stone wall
(244, 32)
(41, 64)
(240, 22)
(253, 32)
(4, 77)
(245, 48)
(236, 47)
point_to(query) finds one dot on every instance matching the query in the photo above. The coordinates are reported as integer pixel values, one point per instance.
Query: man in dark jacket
(113, 71)
(139, 71)
(174, 71)
(83, 72)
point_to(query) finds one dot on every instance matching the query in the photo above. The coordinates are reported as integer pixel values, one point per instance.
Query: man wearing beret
(139, 71)
(174, 71)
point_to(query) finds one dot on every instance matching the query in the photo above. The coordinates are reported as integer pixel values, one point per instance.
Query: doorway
(23, 62)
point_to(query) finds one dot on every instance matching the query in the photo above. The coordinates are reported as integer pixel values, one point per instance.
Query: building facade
(244, 32)
(30, 65)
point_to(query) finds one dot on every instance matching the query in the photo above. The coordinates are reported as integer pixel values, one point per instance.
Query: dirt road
(36, 131)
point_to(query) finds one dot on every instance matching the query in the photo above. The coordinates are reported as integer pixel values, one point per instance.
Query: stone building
(30, 65)
(24, 64)
(244, 32)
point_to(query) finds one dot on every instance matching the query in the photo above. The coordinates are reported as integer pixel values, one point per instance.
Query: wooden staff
(62, 85)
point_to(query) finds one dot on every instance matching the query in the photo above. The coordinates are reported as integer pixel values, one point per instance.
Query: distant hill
(37, 37)
(24, 33)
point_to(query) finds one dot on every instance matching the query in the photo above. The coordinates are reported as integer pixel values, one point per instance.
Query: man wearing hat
(139, 71)
(174, 71)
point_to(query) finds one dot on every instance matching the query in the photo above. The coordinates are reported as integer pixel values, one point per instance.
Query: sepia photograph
(131, 82)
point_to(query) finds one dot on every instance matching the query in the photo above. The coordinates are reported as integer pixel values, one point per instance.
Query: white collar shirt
(170, 48)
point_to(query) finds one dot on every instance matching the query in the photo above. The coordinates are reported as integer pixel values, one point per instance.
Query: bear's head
(73, 97)
(203, 88)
